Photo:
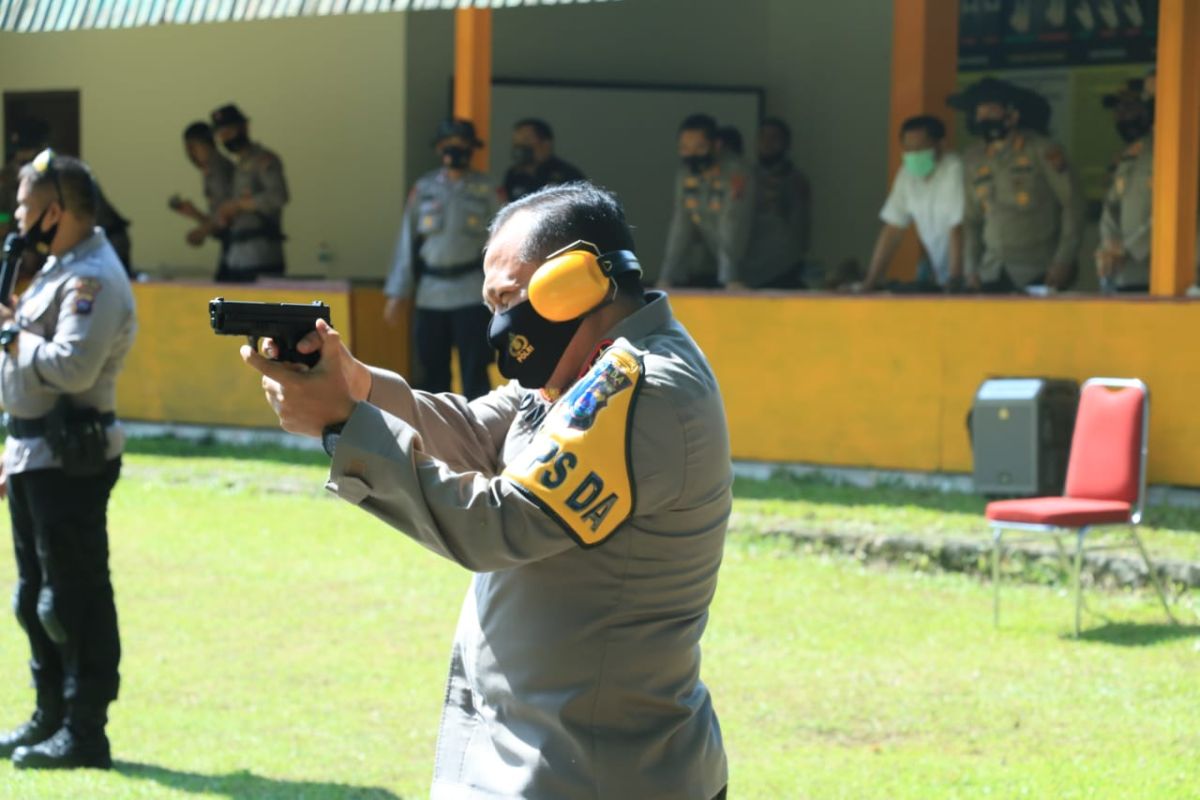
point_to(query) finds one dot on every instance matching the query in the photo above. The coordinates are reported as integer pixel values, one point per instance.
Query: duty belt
(34, 427)
(452, 271)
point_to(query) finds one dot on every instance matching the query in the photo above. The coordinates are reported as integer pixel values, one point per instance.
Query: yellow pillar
(473, 73)
(1176, 148)
(924, 74)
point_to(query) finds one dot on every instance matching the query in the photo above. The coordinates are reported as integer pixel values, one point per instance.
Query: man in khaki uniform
(1024, 211)
(714, 212)
(253, 215)
(1123, 258)
(575, 667)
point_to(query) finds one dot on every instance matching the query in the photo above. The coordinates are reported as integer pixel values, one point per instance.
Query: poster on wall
(1019, 34)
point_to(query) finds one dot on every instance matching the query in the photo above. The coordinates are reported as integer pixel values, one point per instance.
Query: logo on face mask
(519, 348)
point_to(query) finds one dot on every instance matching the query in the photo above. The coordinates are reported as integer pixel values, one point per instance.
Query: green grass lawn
(281, 644)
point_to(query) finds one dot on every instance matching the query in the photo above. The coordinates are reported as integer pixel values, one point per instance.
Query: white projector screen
(623, 138)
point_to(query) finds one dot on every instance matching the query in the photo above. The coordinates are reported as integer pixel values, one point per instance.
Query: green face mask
(921, 162)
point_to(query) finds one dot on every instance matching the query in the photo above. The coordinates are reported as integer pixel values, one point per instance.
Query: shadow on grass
(1130, 634)
(245, 785)
(174, 446)
(819, 489)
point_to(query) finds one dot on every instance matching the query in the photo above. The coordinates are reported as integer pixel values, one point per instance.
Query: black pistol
(284, 323)
(10, 265)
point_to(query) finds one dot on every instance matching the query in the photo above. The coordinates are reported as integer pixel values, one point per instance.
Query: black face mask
(456, 157)
(238, 143)
(772, 160)
(40, 239)
(1130, 130)
(698, 164)
(522, 155)
(992, 130)
(529, 345)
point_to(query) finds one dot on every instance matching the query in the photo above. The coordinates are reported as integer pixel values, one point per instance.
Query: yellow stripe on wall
(848, 381)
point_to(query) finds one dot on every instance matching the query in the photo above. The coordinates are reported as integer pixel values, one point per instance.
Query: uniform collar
(79, 252)
(647, 319)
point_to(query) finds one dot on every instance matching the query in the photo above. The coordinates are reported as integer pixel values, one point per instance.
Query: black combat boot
(47, 719)
(40, 727)
(80, 742)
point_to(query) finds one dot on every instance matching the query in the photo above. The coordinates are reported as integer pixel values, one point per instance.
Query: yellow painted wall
(847, 381)
(887, 382)
(327, 94)
(180, 371)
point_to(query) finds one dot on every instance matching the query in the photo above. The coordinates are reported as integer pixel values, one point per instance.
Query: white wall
(326, 94)
(829, 75)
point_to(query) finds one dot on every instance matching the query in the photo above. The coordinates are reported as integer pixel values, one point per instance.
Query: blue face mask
(921, 162)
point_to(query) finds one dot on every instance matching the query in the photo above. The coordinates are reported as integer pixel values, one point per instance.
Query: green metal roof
(29, 16)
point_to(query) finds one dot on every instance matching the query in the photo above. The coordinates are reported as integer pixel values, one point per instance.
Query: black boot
(80, 742)
(40, 727)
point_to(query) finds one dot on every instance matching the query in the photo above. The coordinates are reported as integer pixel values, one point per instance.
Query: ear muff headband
(578, 279)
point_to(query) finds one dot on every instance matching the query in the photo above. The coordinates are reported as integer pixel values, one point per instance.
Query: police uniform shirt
(446, 223)
(1024, 209)
(218, 181)
(256, 237)
(551, 172)
(934, 204)
(780, 228)
(595, 526)
(1125, 218)
(714, 211)
(77, 324)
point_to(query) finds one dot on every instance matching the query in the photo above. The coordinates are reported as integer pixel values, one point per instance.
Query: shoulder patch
(737, 183)
(1056, 158)
(84, 291)
(577, 468)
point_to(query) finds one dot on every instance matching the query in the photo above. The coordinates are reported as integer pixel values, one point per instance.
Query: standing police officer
(535, 164)
(714, 209)
(594, 522)
(782, 209)
(217, 172)
(1023, 219)
(1123, 257)
(440, 256)
(254, 214)
(64, 345)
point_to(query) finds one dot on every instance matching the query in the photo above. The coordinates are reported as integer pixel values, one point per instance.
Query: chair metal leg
(1080, 535)
(996, 534)
(1158, 587)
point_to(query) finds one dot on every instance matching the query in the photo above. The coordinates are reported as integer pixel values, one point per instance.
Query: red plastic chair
(1106, 482)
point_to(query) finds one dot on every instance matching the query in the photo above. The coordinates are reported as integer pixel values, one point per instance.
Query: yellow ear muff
(568, 286)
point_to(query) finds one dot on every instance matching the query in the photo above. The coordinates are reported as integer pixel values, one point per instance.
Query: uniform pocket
(431, 217)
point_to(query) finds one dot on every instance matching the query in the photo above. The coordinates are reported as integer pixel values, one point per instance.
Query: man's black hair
(67, 175)
(567, 213)
(934, 127)
(781, 126)
(731, 139)
(199, 132)
(541, 128)
(704, 123)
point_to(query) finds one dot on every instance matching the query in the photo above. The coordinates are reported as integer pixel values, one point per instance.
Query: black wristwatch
(330, 435)
(9, 333)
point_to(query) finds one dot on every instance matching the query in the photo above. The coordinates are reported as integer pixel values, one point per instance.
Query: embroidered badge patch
(85, 291)
(577, 466)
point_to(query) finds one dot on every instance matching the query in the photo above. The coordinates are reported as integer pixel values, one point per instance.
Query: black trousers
(464, 329)
(64, 597)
